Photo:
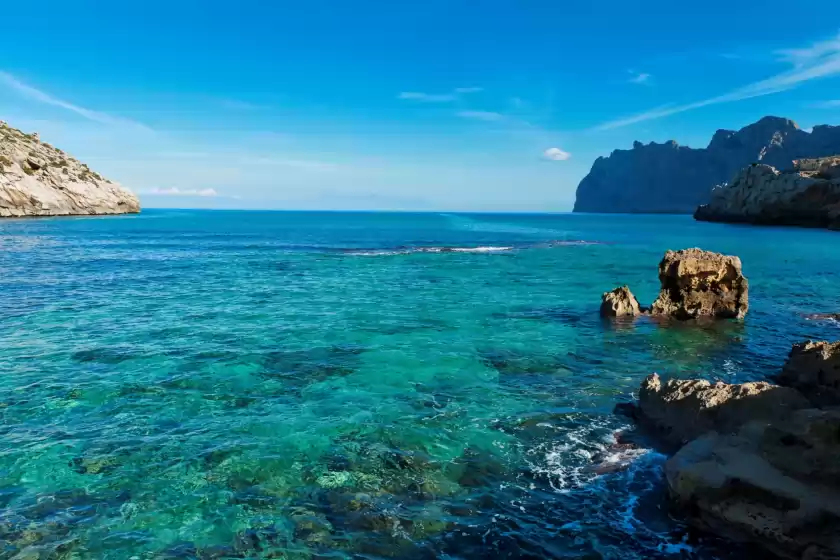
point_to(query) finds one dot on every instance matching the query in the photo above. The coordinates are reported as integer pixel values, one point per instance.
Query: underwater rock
(685, 409)
(697, 283)
(814, 369)
(619, 303)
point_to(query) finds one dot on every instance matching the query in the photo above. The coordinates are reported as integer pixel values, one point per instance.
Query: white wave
(414, 250)
(481, 249)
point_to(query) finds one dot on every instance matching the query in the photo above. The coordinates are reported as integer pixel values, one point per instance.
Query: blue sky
(435, 105)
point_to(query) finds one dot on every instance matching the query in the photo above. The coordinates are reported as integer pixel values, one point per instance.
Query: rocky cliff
(39, 180)
(669, 178)
(808, 195)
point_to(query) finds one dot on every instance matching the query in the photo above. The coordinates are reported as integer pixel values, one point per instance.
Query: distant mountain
(669, 178)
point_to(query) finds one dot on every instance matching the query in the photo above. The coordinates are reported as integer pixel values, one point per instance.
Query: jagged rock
(659, 178)
(39, 180)
(814, 369)
(808, 195)
(697, 283)
(619, 303)
(685, 409)
(774, 484)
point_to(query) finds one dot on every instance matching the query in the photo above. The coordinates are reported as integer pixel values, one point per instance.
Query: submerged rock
(39, 180)
(814, 369)
(685, 409)
(619, 303)
(808, 195)
(697, 283)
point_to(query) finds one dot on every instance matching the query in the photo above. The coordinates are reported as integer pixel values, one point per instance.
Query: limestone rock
(619, 303)
(659, 178)
(774, 484)
(39, 180)
(814, 369)
(685, 409)
(697, 283)
(808, 195)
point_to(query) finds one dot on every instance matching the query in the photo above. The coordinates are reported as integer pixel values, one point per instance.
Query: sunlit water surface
(186, 384)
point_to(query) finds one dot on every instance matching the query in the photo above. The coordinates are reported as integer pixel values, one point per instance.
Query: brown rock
(686, 409)
(814, 369)
(619, 303)
(697, 283)
(772, 484)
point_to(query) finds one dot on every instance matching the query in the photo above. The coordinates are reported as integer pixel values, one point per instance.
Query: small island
(37, 179)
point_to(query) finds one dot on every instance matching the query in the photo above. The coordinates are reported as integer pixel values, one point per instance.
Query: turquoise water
(187, 384)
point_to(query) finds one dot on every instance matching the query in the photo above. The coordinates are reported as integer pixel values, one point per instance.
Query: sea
(187, 384)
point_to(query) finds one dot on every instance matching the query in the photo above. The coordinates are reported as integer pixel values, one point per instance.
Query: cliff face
(808, 195)
(671, 178)
(39, 180)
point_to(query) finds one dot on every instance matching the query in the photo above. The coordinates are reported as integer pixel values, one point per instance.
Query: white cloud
(828, 104)
(175, 191)
(820, 60)
(639, 77)
(481, 115)
(428, 97)
(43, 97)
(556, 154)
(438, 97)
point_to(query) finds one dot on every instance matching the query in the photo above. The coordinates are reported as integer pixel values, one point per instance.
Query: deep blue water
(195, 384)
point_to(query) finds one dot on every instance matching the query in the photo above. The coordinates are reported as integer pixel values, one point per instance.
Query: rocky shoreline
(757, 462)
(808, 196)
(38, 180)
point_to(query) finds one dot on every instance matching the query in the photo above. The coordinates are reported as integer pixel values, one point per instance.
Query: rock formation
(814, 369)
(761, 463)
(39, 180)
(697, 283)
(808, 195)
(619, 303)
(669, 178)
(685, 409)
(774, 484)
(694, 284)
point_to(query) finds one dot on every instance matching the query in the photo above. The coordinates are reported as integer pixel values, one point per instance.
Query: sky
(441, 105)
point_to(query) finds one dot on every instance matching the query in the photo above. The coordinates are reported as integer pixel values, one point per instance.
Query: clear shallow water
(185, 384)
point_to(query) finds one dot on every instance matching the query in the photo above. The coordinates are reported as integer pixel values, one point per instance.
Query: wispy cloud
(556, 154)
(428, 97)
(489, 116)
(831, 104)
(639, 77)
(819, 60)
(43, 97)
(438, 97)
(175, 191)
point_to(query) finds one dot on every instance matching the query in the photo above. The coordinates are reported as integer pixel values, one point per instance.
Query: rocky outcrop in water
(808, 195)
(39, 180)
(682, 410)
(761, 462)
(619, 303)
(697, 283)
(669, 178)
(694, 284)
(814, 369)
